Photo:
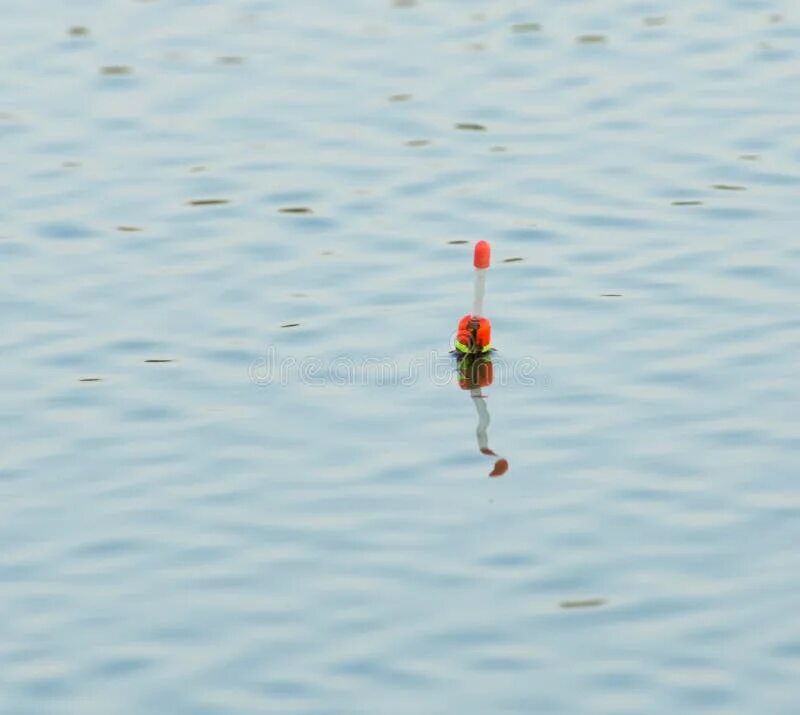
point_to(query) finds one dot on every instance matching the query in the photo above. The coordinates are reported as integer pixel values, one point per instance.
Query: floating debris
(611, 295)
(116, 70)
(230, 60)
(523, 27)
(78, 31)
(129, 229)
(749, 157)
(296, 210)
(655, 21)
(515, 259)
(418, 142)
(728, 187)
(471, 127)
(290, 325)
(457, 242)
(400, 97)
(498, 149)
(196, 169)
(404, 3)
(585, 603)
(687, 203)
(591, 39)
(159, 360)
(207, 202)
(90, 379)
(70, 164)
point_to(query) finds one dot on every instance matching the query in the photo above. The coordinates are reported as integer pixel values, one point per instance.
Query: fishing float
(473, 348)
(474, 335)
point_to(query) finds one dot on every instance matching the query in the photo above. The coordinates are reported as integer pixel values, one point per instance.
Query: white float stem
(480, 290)
(483, 418)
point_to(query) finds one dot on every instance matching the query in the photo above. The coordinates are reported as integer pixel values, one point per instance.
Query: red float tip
(483, 254)
(500, 468)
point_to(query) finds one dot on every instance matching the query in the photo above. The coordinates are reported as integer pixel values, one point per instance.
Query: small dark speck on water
(90, 379)
(611, 295)
(296, 210)
(498, 149)
(749, 157)
(159, 360)
(78, 31)
(591, 39)
(687, 203)
(457, 242)
(471, 126)
(290, 325)
(196, 169)
(70, 164)
(230, 60)
(404, 3)
(655, 21)
(116, 70)
(523, 27)
(728, 187)
(400, 97)
(207, 202)
(418, 142)
(129, 229)
(585, 603)
(515, 259)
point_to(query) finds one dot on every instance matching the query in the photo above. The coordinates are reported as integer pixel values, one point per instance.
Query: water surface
(196, 191)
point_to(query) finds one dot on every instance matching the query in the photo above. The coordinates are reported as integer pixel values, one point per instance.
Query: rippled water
(213, 212)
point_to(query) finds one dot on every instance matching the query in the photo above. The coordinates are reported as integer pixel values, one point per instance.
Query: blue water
(298, 519)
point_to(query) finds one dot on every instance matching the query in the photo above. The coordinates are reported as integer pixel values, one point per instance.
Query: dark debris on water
(296, 210)
(687, 203)
(116, 70)
(207, 202)
(290, 325)
(471, 127)
(591, 39)
(584, 603)
(523, 27)
(159, 360)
